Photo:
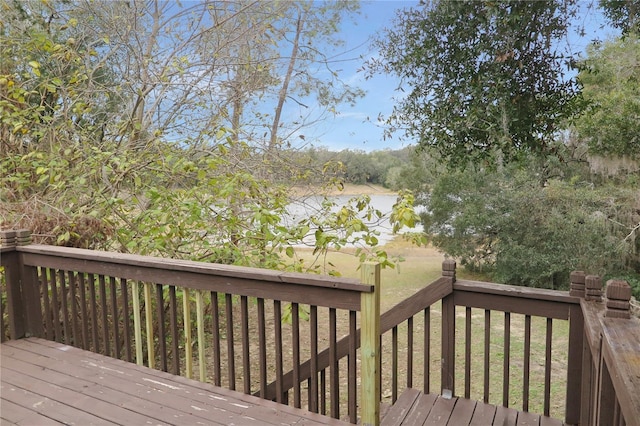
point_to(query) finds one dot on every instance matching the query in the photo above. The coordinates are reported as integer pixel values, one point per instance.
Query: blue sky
(356, 127)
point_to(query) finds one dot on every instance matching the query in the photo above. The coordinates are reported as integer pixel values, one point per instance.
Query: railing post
(448, 334)
(370, 346)
(575, 357)
(23, 296)
(13, 277)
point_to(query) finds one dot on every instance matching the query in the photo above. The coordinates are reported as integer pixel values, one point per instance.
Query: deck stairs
(414, 407)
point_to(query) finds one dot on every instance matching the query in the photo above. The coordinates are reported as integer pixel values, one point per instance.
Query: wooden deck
(44, 382)
(415, 408)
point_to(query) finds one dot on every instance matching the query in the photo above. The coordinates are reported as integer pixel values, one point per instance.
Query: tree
(115, 120)
(623, 14)
(486, 80)
(505, 224)
(610, 77)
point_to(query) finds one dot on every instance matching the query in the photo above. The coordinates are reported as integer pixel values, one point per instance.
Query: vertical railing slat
(186, 324)
(202, 364)
(117, 347)
(262, 347)
(84, 317)
(334, 372)
(47, 305)
(547, 367)
(231, 361)
(93, 307)
(352, 373)
(137, 322)
(246, 361)
(295, 342)
(426, 363)
(124, 293)
(526, 368)
(162, 334)
(467, 353)
(506, 359)
(73, 283)
(487, 353)
(215, 337)
(105, 317)
(277, 322)
(394, 364)
(410, 352)
(148, 315)
(313, 385)
(175, 336)
(55, 306)
(64, 307)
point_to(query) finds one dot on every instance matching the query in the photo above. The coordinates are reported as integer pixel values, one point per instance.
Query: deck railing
(297, 338)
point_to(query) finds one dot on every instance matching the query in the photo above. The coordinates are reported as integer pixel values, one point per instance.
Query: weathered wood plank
(441, 411)
(420, 410)
(505, 416)
(483, 415)
(399, 410)
(142, 394)
(621, 353)
(462, 412)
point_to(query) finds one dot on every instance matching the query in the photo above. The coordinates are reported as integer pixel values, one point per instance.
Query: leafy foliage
(486, 79)
(611, 80)
(506, 224)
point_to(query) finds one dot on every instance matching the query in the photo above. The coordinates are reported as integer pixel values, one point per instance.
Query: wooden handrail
(341, 293)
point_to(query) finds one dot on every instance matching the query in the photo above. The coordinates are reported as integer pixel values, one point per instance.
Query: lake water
(311, 205)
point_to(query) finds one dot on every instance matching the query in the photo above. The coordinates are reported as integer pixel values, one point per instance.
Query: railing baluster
(215, 335)
(201, 339)
(47, 305)
(74, 308)
(124, 293)
(334, 375)
(467, 353)
(427, 350)
(410, 352)
(148, 316)
(84, 317)
(55, 307)
(105, 317)
(295, 342)
(93, 306)
(487, 353)
(64, 307)
(231, 362)
(506, 359)
(394, 364)
(246, 361)
(114, 318)
(162, 334)
(175, 336)
(186, 324)
(353, 394)
(313, 386)
(277, 322)
(137, 322)
(547, 367)
(527, 363)
(323, 391)
(262, 347)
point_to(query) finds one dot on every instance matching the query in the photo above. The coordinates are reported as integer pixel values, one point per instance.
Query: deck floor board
(45, 382)
(429, 409)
